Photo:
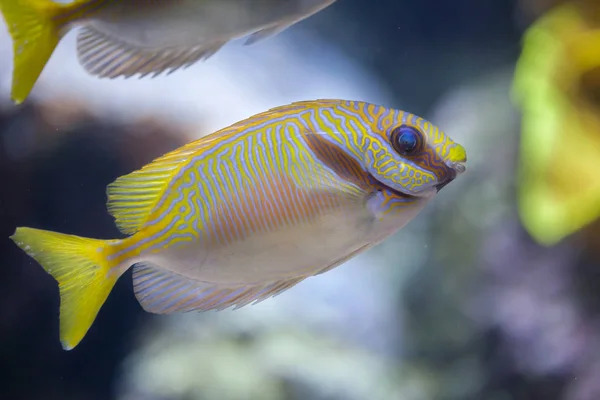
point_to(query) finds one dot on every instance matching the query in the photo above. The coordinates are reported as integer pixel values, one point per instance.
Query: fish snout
(457, 159)
(456, 168)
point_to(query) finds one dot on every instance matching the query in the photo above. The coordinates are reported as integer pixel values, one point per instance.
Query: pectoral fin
(335, 170)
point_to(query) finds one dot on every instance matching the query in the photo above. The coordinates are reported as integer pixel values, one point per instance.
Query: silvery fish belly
(249, 211)
(196, 23)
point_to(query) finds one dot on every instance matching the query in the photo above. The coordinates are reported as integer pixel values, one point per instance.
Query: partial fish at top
(129, 37)
(252, 210)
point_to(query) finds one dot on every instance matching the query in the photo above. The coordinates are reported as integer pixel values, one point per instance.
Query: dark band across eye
(406, 140)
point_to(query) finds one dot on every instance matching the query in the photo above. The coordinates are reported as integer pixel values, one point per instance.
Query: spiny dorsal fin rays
(297, 105)
(108, 57)
(132, 197)
(164, 292)
(279, 111)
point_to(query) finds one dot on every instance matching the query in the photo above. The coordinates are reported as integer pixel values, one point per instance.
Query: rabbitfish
(251, 210)
(130, 37)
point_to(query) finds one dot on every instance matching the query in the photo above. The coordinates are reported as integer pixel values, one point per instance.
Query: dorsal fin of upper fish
(160, 291)
(132, 197)
(108, 57)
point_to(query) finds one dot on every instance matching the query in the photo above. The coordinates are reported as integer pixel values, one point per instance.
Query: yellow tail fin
(83, 273)
(35, 31)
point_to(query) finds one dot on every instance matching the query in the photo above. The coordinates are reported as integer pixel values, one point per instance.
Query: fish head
(412, 156)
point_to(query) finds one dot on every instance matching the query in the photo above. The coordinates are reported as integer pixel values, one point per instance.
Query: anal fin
(164, 292)
(109, 57)
(267, 32)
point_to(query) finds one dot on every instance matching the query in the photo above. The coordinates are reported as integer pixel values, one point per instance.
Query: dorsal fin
(109, 57)
(132, 197)
(303, 104)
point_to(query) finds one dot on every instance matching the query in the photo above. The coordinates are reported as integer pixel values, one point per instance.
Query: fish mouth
(457, 168)
(440, 186)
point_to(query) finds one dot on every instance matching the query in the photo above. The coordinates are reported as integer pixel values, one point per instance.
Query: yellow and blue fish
(251, 210)
(145, 37)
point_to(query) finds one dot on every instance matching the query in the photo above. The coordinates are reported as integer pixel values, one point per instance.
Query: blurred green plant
(557, 88)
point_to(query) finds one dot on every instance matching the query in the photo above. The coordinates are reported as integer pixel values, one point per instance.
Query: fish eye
(406, 140)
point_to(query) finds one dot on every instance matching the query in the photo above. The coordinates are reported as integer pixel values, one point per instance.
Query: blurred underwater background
(491, 293)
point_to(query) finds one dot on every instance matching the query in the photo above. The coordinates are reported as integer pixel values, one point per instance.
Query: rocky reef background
(461, 304)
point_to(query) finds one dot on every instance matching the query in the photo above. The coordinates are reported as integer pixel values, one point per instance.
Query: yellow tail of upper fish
(36, 30)
(83, 273)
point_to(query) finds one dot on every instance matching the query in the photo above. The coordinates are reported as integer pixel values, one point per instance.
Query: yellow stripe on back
(132, 197)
